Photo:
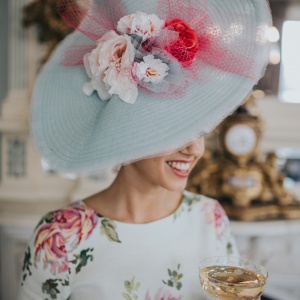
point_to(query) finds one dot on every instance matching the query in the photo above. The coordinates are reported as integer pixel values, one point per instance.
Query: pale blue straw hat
(75, 131)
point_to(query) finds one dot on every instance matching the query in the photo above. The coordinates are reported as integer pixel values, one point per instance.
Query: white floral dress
(77, 254)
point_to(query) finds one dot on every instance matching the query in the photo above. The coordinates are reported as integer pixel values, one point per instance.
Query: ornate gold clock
(240, 140)
(246, 182)
(239, 137)
(240, 134)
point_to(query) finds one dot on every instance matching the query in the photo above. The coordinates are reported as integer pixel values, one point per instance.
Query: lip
(179, 173)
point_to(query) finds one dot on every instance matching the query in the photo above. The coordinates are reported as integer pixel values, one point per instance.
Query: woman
(138, 85)
(142, 236)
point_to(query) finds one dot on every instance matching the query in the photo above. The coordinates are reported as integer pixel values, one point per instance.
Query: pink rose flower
(109, 67)
(214, 213)
(76, 223)
(221, 220)
(50, 247)
(162, 295)
(69, 226)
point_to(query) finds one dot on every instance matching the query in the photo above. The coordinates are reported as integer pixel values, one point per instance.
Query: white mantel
(275, 245)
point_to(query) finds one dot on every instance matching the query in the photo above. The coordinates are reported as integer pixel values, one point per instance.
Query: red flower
(185, 48)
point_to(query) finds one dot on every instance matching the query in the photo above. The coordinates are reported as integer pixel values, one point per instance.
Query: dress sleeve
(226, 241)
(45, 271)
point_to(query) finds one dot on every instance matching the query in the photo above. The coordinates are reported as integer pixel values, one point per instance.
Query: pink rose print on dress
(214, 213)
(50, 247)
(221, 221)
(76, 223)
(162, 295)
(69, 227)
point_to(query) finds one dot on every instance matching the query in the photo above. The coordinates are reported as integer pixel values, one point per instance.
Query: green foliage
(229, 248)
(188, 200)
(26, 265)
(108, 228)
(82, 259)
(187, 203)
(131, 287)
(49, 287)
(174, 280)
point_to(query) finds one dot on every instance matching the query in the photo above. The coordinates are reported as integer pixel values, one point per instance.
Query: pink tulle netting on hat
(189, 42)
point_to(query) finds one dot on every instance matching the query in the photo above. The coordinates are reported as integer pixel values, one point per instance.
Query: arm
(45, 265)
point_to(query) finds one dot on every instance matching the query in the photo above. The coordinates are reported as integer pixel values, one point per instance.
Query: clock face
(240, 139)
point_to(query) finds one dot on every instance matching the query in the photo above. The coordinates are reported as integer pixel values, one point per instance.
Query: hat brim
(81, 134)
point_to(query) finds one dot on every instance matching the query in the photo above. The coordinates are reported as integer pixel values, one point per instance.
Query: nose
(196, 148)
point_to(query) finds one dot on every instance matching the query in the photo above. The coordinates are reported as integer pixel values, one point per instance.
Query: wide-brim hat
(78, 132)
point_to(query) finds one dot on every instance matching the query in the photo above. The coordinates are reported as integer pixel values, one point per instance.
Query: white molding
(15, 107)
(282, 124)
(271, 228)
(14, 126)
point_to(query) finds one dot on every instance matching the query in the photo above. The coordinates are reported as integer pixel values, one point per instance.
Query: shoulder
(75, 215)
(74, 219)
(213, 218)
(60, 232)
(204, 202)
(210, 209)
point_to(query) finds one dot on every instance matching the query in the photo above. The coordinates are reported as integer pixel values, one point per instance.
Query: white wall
(282, 124)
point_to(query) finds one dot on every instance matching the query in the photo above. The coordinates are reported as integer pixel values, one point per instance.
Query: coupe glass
(232, 278)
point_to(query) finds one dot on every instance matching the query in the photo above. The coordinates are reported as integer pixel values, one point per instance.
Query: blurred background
(252, 162)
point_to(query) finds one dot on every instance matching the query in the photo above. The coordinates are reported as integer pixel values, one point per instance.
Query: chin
(174, 186)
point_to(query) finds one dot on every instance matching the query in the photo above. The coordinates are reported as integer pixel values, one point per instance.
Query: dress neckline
(158, 221)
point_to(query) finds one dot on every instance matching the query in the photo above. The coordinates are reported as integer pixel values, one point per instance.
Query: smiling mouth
(181, 169)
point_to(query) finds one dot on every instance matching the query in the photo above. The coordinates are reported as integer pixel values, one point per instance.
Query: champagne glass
(232, 278)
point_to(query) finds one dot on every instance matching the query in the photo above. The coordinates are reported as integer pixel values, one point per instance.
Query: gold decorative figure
(246, 182)
(51, 29)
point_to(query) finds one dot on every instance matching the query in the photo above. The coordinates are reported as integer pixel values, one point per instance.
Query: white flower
(141, 24)
(109, 67)
(150, 69)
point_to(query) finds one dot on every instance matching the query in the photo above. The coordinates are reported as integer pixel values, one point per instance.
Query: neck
(132, 199)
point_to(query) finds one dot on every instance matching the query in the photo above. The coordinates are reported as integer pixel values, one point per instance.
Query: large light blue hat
(81, 133)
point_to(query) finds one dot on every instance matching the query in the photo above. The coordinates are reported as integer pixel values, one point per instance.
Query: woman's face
(172, 170)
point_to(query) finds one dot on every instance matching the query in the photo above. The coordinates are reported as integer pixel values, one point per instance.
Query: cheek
(151, 167)
(158, 166)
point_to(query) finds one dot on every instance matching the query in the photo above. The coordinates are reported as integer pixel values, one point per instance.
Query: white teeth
(179, 165)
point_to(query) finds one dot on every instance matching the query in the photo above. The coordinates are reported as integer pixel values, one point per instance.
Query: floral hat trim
(160, 54)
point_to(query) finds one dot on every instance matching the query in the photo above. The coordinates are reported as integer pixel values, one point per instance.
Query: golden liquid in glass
(232, 283)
